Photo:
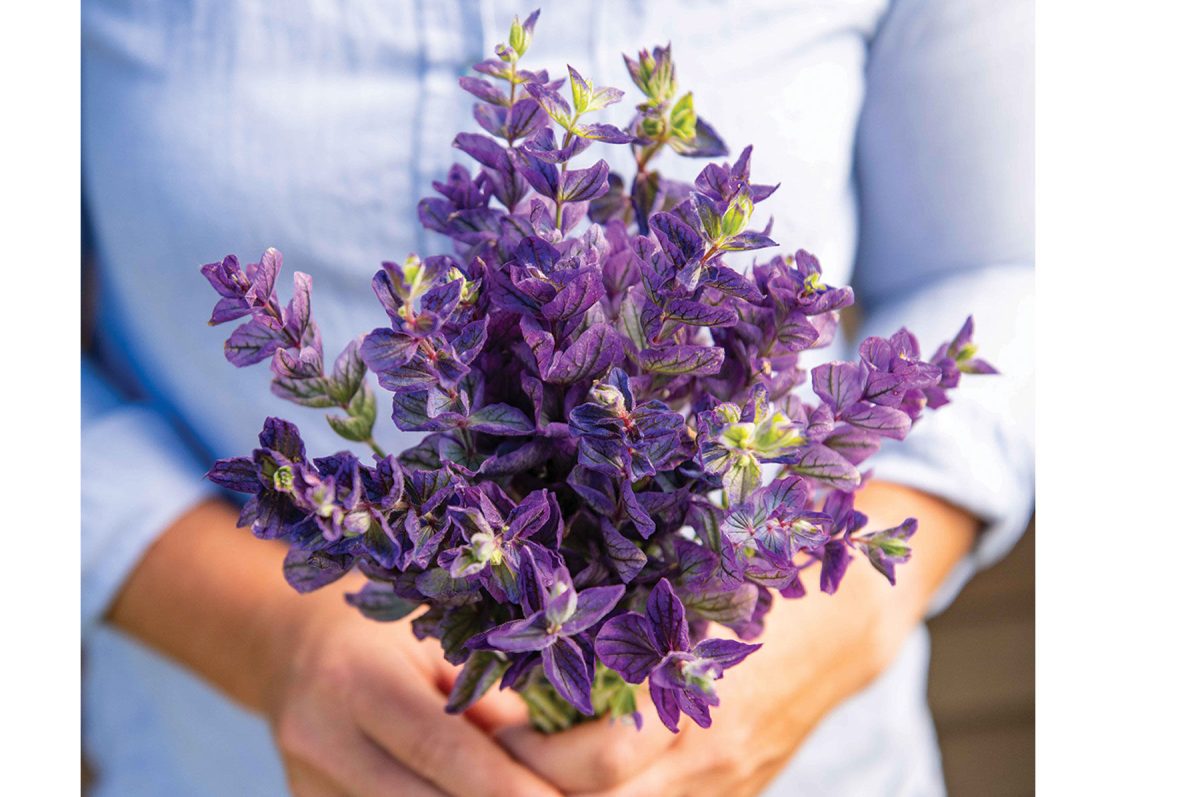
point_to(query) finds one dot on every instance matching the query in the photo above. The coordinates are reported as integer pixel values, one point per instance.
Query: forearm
(210, 596)
(833, 646)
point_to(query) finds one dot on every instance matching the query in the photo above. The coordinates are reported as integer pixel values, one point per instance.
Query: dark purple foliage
(603, 404)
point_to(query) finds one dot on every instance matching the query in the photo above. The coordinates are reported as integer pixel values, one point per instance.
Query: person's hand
(356, 706)
(769, 704)
(817, 651)
(359, 710)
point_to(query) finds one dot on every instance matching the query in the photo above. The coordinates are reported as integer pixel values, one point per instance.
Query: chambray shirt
(902, 134)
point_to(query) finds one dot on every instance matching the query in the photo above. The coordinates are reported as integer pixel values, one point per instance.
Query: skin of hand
(356, 706)
(818, 650)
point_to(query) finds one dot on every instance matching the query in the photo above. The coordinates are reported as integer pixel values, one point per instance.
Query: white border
(39, 337)
(1117, 258)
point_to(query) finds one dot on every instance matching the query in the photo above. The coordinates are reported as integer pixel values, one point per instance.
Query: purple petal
(521, 635)
(384, 350)
(580, 185)
(625, 557)
(306, 571)
(725, 652)
(591, 606)
(887, 421)
(627, 644)
(748, 240)
(595, 350)
(686, 311)
(667, 703)
(855, 444)
(827, 466)
(839, 384)
(238, 473)
(679, 241)
(483, 149)
(228, 309)
(253, 342)
(567, 672)
(667, 617)
(500, 419)
(609, 134)
(484, 90)
(834, 562)
(634, 510)
(576, 297)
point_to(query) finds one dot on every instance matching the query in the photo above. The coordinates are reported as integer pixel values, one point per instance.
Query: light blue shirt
(902, 133)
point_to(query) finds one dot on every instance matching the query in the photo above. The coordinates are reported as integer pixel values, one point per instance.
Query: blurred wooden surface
(981, 680)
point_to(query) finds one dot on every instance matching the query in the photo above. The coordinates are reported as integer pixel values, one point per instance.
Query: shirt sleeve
(944, 168)
(137, 477)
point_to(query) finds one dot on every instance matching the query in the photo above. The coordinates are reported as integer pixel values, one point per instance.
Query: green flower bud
(683, 119)
(652, 127)
(737, 215)
(518, 37)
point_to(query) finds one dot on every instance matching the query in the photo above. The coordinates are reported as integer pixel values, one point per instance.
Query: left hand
(817, 651)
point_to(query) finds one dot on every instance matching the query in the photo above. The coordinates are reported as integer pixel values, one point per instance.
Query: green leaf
(380, 602)
(456, 628)
(581, 91)
(828, 466)
(683, 118)
(690, 360)
(360, 421)
(611, 695)
(483, 668)
(706, 520)
(737, 215)
(348, 372)
(311, 392)
(742, 478)
(721, 606)
(630, 322)
(500, 419)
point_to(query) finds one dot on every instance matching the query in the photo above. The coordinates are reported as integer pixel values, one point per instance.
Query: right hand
(357, 708)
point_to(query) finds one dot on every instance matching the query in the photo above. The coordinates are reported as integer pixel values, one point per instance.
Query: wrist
(291, 627)
(210, 596)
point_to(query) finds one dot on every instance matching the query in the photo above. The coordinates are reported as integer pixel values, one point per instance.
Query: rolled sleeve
(137, 477)
(944, 166)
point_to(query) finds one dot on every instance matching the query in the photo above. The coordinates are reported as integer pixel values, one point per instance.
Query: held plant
(601, 398)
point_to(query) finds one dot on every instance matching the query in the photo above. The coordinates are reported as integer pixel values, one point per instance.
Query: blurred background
(981, 680)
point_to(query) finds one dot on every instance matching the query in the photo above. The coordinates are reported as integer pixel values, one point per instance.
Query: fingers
(371, 772)
(497, 710)
(408, 721)
(355, 767)
(590, 757)
(668, 776)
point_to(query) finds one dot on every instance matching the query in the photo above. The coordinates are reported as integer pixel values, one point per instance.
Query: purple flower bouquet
(616, 453)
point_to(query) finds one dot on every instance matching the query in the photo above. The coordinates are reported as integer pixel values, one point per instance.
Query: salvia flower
(655, 645)
(564, 614)
(615, 455)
